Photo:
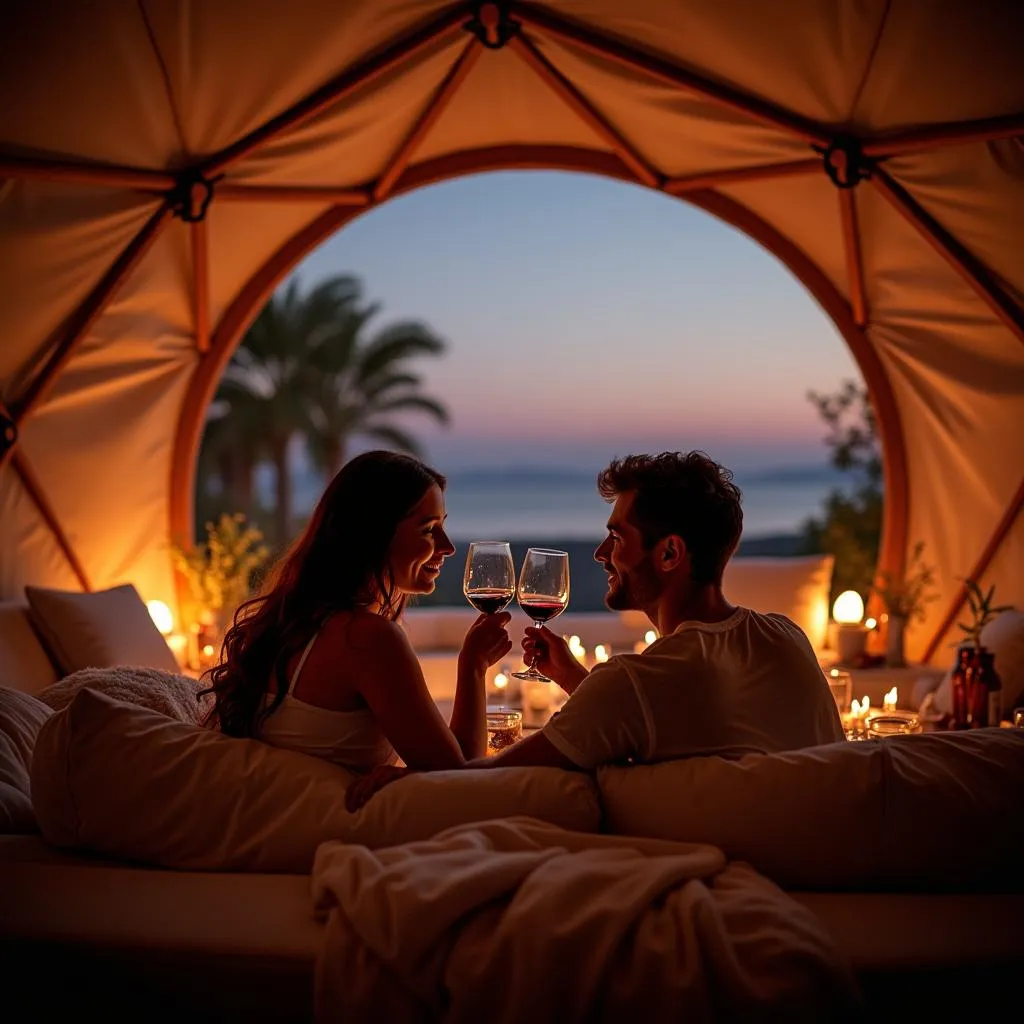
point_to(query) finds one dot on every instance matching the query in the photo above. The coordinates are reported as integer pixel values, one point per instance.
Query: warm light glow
(577, 649)
(871, 623)
(650, 636)
(161, 616)
(849, 607)
(500, 681)
(889, 700)
(208, 650)
(601, 653)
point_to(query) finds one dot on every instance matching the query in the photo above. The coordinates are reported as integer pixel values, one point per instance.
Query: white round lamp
(851, 633)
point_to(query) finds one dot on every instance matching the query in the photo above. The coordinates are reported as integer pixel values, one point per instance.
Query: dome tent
(164, 165)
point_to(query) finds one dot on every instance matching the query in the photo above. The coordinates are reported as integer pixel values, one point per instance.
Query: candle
(889, 700)
(602, 652)
(579, 652)
(641, 645)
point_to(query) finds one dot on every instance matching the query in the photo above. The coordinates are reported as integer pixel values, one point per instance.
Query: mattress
(121, 938)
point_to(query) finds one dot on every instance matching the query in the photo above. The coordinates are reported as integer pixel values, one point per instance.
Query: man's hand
(553, 657)
(366, 785)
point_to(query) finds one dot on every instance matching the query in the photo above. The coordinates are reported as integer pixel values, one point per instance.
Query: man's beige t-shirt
(750, 683)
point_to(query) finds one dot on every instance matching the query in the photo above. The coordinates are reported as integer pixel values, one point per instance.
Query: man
(720, 680)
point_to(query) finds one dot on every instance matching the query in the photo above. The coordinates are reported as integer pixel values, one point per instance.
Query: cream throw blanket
(518, 920)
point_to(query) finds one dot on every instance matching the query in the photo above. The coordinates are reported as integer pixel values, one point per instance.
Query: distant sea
(523, 503)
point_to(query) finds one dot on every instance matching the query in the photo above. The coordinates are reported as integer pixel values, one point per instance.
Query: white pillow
(21, 718)
(795, 587)
(99, 629)
(124, 780)
(924, 811)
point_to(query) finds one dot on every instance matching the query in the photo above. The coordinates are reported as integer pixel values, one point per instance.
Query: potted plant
(980, 686)
(905, 598)
(218, 577)
(982, 612)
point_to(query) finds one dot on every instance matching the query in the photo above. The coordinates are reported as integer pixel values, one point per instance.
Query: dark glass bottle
(961, 688)
(987, 691)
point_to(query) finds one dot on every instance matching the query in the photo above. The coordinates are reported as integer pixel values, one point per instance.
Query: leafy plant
(850, 527)
(219, 573)
(982, 612)
(908, 596)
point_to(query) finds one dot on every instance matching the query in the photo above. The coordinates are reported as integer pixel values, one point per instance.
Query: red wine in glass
(489, 580)
(541, 611)
(543, 592)
(489, 601)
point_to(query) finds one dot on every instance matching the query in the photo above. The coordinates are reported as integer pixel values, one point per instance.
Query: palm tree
(304, 370)
(361, 385)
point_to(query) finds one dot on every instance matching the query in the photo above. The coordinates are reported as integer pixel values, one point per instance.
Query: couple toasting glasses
(319, 663)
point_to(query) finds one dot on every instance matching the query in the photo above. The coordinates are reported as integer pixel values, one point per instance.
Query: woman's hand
(551, 655)
(486, 643)
(365, 786)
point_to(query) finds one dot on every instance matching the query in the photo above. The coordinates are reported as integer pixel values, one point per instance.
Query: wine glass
(543, 592)
(489, 580)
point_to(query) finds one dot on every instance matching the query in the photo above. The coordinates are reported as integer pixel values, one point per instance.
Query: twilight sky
(587, 318)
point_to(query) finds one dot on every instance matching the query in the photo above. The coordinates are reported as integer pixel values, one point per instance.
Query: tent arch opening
(255, 293)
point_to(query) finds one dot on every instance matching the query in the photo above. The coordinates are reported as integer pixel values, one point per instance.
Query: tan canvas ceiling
(164, 164)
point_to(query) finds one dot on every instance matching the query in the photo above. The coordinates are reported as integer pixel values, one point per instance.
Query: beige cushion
(795, 587)
(931, 810)
(123, 780)
(21, 718)
(98, 630)
(24, 663)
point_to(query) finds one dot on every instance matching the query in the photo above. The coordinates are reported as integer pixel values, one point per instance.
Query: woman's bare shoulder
(363, 629)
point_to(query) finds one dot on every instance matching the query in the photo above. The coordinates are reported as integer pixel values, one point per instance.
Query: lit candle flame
(889, 700)
(500, 681)
(650, 636)
(577, 649)
(601, 653)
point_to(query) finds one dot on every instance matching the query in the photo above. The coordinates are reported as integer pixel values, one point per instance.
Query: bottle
(993, 687)
(960, 686)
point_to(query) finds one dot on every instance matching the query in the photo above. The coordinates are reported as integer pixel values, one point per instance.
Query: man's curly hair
(686, 493)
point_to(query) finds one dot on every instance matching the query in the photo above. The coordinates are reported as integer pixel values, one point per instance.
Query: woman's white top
(351, 739)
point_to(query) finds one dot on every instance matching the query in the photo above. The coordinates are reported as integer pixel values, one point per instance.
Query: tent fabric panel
(976, 192)
(111, 499)
(677, 132)
(58, 242)
(352, 143)
(29, 552)
(241, 238)
(807, 62)
(944, 61)
(958, 377)
(233, 66)
(805, 210)
(95, 61)
(505, 102)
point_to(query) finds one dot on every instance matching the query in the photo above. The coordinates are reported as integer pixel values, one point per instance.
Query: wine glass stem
(536, 653)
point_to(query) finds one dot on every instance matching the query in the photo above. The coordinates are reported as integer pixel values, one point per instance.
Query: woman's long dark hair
(338, 563)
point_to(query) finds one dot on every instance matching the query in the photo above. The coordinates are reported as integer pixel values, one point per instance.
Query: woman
(318, 662)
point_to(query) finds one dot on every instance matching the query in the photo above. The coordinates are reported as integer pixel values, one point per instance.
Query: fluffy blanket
(518, 920)
(171, 695)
